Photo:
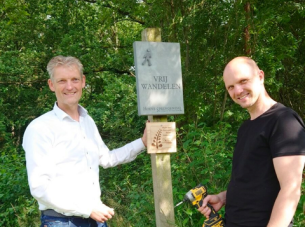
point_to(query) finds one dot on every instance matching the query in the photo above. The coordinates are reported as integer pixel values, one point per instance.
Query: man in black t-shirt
(269, 155)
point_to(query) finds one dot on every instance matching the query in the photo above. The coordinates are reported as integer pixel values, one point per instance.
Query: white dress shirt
(63, 158)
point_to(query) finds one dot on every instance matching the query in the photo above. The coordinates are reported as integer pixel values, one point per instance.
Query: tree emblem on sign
(157, 139)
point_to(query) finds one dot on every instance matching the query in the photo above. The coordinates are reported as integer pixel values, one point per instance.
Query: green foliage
(205, 157)
(16, 204)
(114, 108)
(129, 193)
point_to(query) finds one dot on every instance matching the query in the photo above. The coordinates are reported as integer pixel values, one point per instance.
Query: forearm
(120, 155)
(223, 197)
(66, 196)
(289, 171)
(63, 194)
(284, 208)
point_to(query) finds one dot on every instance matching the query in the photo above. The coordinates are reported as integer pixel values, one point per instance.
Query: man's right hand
(217, 201)
(144, 137)
(102, 213)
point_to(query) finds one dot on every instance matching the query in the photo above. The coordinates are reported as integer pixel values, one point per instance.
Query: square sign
(161, 137)
(159, 78)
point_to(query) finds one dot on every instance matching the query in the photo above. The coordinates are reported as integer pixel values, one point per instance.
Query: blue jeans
(48, 221)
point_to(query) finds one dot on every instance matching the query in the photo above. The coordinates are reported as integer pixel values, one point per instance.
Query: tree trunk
(223, 106)
(247, 29)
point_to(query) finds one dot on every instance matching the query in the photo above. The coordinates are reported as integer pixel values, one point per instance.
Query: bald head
(241, 63)
(244, 82)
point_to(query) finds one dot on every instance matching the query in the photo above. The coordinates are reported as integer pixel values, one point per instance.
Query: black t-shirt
(254, 186)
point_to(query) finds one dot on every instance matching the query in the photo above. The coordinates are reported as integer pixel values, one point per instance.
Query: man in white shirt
(64, 151)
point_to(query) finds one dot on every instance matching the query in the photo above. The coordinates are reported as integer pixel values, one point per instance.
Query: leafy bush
(204, 156)
(17, 207)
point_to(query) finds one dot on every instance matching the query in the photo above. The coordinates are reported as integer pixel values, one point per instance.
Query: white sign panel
(159, 78)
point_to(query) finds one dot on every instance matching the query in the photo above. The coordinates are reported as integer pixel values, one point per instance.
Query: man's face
(244, 84)
(67, 85)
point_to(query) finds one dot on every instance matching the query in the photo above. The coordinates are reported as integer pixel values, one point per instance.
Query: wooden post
(160, 163)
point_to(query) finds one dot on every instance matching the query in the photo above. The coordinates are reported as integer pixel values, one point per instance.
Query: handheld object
(195, 196)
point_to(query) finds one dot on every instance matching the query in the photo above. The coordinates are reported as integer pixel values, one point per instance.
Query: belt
(53, 213)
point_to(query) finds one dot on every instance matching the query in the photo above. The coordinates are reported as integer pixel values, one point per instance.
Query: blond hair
(64, 61)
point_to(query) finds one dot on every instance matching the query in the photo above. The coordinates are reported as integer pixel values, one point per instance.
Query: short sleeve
(288, 135)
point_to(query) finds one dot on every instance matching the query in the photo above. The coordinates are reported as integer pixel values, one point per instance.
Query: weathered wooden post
(160, 93)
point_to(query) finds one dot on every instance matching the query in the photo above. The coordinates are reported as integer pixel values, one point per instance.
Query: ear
(51, 85)
(83, 81)
(261, 75)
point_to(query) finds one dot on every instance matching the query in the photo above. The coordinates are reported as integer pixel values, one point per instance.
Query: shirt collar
(62, 114)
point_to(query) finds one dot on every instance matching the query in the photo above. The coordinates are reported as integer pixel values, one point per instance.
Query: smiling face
(245, 82)
(67, 83)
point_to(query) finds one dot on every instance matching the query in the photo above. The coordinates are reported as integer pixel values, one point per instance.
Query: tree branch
(123, 13)
(23, 82)
(113, 70)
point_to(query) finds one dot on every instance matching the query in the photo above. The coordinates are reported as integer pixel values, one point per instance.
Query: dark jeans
(48, 221)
